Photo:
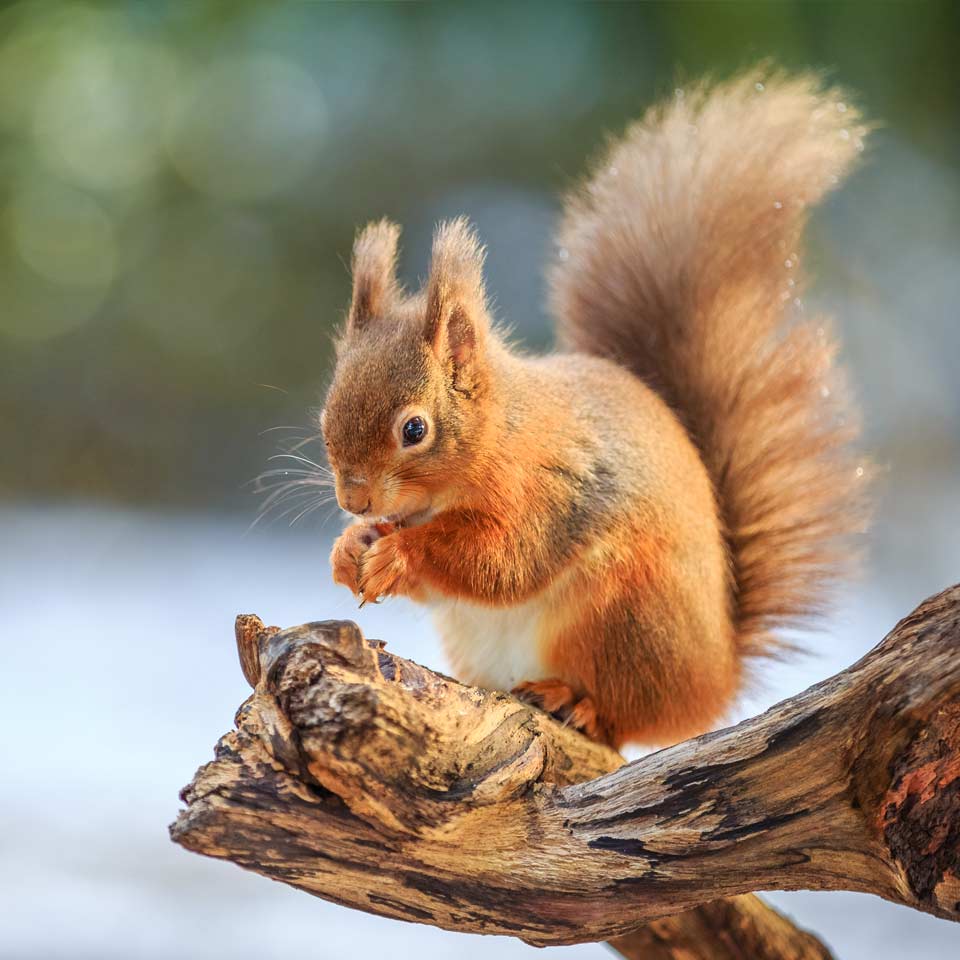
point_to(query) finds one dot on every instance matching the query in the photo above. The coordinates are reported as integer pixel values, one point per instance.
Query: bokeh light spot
(248, 128)
(63, 235)
(99, 121)
(204, 282)
(34, 309)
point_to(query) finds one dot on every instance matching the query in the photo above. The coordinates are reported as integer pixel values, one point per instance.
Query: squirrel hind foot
(560, 700)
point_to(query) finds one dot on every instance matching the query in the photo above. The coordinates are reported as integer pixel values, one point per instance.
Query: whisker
(300, 486)
(286, 490)
(299, 506)
(279, 498)
(282, 427)
(280, 489)
(299, 459)
(277, 517)
(306, 478)
(283, 506)
(321, 501)
(299, 446)
(290, 472)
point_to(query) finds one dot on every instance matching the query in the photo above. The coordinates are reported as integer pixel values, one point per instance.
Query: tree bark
(741, 928)
(376, 783)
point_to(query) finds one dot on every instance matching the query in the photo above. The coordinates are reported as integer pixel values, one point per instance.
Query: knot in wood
(317, 703)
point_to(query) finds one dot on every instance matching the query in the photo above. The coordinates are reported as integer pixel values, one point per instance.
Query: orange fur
(611, 531)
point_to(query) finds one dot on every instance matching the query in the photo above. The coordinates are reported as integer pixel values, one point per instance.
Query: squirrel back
(681, 260)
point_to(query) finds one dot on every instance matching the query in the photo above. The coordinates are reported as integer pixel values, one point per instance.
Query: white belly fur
(496, 647)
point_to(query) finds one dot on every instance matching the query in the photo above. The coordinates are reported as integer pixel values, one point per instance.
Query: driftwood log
(371, 781)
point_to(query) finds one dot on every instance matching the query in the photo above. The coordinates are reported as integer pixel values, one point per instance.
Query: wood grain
(374, 782)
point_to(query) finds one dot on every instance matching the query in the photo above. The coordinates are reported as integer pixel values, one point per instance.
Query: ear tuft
(457, 257)
(374, 273)
(456, 313)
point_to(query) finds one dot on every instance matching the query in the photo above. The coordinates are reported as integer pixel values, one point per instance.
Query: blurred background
(179, 187)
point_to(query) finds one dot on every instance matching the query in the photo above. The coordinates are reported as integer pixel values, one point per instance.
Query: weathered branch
(371, 781)
(735, 929)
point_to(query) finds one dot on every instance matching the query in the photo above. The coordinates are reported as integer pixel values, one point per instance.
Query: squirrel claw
(381, 570)
(347, 556)
(561, 702)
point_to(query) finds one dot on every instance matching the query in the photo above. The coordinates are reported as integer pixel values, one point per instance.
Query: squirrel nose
(354, 497)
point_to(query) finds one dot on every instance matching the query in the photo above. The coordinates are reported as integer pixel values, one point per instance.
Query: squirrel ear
(456, 314)
(373, 267)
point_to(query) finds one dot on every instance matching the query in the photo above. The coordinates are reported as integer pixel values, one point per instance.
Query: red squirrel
(612, 530)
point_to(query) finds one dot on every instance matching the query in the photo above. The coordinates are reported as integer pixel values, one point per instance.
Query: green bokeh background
(180, 183)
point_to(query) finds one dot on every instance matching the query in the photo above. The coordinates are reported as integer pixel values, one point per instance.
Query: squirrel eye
(414, 430)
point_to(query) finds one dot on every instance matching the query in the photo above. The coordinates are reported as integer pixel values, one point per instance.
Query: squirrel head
(406, 406)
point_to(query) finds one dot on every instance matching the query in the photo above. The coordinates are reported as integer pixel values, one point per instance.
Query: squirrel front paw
(383, 570)
(349, 550)
(559, 700)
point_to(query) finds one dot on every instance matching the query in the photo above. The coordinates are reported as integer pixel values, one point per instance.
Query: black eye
(414, 430)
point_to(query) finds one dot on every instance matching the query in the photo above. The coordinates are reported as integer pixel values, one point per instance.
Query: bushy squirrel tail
(680, 259)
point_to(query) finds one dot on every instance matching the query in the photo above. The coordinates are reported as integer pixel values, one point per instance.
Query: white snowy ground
(91, 768)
